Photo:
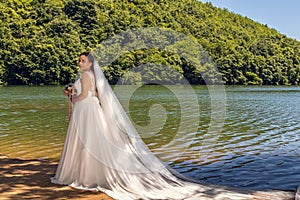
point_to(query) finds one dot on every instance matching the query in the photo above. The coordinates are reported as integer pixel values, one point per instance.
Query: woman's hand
(69, 90)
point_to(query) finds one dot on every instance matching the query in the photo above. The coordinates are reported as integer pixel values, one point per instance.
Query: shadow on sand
(30, 179)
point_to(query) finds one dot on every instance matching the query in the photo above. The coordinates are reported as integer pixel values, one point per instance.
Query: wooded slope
(41, 41)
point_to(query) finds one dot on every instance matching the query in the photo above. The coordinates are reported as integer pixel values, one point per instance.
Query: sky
(282, 15)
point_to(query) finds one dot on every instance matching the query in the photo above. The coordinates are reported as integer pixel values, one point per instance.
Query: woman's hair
(90, 57)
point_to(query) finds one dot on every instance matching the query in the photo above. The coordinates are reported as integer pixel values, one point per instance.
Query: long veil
(131, 167)
(123, 137)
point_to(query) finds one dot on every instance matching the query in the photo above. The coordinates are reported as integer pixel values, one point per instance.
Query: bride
(103, 151)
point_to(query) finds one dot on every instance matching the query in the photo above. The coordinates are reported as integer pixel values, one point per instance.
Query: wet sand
(30, 179)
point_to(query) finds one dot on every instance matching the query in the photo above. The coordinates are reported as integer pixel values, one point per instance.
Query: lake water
(257, 147)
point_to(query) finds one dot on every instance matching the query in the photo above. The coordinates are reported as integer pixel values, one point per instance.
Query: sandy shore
(30, 179)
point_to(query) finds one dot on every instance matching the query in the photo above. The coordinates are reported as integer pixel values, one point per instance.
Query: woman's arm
(85, 87)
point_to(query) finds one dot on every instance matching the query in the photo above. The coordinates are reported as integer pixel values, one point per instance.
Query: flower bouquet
(69, 91)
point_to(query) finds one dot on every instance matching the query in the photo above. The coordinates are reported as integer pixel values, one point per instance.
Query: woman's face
(84, 63)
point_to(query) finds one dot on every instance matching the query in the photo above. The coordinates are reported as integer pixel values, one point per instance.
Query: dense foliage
(41, 40)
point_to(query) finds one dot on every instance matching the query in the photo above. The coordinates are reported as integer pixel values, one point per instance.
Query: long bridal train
(104, 152)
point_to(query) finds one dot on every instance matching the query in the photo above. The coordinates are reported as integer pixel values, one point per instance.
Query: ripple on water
(32, 111)
(3, 135)
(257, 148)
(3, 114)
(4, 124)
(16, 113)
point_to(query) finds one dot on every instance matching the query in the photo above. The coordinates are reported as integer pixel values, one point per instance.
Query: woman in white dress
(103, 151)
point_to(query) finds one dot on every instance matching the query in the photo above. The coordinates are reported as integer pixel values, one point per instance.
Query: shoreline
(30, 179)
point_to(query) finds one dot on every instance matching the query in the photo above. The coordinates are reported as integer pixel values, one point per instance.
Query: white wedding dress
(103, 152)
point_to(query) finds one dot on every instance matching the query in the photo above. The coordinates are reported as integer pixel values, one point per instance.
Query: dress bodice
(92, 90)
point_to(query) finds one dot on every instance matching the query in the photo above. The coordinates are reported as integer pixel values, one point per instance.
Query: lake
(255, 145)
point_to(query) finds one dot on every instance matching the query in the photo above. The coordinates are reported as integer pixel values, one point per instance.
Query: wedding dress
(103, 152)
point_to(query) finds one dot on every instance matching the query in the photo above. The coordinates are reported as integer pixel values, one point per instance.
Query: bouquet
(69, 91)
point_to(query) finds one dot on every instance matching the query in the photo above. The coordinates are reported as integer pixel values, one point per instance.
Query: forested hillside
(41, 40)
